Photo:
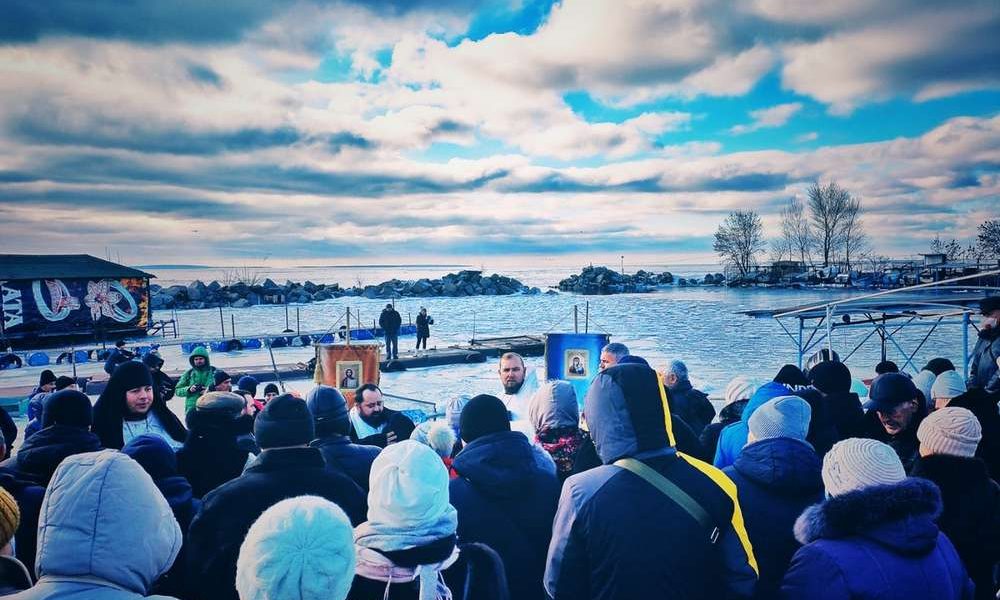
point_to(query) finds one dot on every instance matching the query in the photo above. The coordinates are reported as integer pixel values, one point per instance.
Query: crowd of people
(797, 488)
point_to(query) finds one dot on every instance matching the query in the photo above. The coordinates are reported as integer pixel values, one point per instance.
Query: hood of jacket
(784, 464)
(766, 392)
(980, 403)
(203, 352)
(900, 517)
(554, 406)
(41, 453)
(626, 408)
(213, 424)
(953, 473)
(499, 464)
(103, 517)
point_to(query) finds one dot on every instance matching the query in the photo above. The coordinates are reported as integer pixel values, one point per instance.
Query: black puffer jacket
(213, 453)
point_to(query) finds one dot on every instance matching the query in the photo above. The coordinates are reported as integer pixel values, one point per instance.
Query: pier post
(586, 318)
(348, 338)
(232, 323)
(222, 322)
(576, 319)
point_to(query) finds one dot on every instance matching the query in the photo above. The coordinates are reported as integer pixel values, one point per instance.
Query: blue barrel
(81, 356)
(362, 334)
(226, 346)
(408, 330)
(143, 350)
(188, 347)
(324, 339)
(279, 342)
(38, 359)
(252, 344)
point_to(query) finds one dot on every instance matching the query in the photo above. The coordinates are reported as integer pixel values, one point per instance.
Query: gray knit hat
(924, 381)
(784, 416)
(857, 463)
(948, 385)
(950, 430)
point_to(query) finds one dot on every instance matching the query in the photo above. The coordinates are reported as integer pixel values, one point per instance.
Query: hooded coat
(227, 513)
(776, 479)
(105, 531)
(504, 500)
(213, 453)
(691, 405)
(617, 536)
(205, 377)
(877, 542)
(971, 515)
(554, 413)
(983, 368)
(734, 437)
(110, 408)
(343, 456)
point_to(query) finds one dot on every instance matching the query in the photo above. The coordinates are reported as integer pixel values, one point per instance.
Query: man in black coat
(373, 424)
(287, 467)
(333, 428)
(836, 410)
(390, 322)
(983, 368)
(777, 475)
(895, 410)
(66, 420)
(971, 515)
(503, 498)
(116, 357)
(214, 452)
(692, 405)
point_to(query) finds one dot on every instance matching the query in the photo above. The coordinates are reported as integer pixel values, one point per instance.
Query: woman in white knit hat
(949, 438)
(875, 535)
(947, 385)
(737, 395)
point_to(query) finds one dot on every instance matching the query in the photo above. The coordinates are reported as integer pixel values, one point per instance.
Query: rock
(551, 293)
(310, 287)
(196, 291)
(270, 285)
(253, 298)
(153, 288)
(449, 289)
(160, 301)
(215, 286)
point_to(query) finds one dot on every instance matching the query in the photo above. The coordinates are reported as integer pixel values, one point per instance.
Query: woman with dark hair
(131, 406)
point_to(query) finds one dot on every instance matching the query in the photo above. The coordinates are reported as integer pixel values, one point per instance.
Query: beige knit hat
(10, 516)
(950, 430)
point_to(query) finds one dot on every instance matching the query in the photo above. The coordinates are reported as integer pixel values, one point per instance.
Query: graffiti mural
(73, 306)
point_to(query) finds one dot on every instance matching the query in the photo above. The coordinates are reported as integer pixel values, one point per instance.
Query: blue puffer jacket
(776, 479)
(506, 501)
(734, 437)
(877, 542)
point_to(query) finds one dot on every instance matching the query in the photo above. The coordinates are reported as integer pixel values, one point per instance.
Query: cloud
(764, 118)
(807, 137)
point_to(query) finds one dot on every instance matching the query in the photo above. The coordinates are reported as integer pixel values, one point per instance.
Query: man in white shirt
(519, 385)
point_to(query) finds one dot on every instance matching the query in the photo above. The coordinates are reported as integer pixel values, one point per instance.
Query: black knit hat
(152, 360)
(46, 377)
(63, 382)
(989, 304)
(67, 407)
(247, 384)
(221, 376)
(270, 388)
(939, 365)
(831, 377)
(130, 375)
(285, 421)
(886, 366)
(329, 410)
(791, 376)
(483, 415)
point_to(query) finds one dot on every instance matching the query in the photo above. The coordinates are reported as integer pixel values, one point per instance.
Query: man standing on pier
(390, 322)
(983, 368)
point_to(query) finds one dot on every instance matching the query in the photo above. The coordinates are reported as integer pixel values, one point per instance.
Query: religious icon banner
(347, 367)
(574, 357)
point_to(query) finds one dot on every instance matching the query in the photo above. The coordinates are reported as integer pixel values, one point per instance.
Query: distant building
(51, 299)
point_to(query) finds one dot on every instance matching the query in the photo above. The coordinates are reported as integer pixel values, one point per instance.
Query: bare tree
(952, 249)
(739, 239)
(853, 236)
(796, 232)
(877, 262)
(780, 250)
(989, 238)
(829, 209)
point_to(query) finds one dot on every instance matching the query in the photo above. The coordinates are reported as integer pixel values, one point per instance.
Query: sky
(296, 132)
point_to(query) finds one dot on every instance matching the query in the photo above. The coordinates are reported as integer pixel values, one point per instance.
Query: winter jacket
(692, 405)
(507, 502)
(227, 513)
(983, 368)
(971, 515)
(109, 411)
(353, 460)
(734, 437)
(14, 576)
(106, 532)
(29, 495)
(615, 536)
(877, 542)
(984, 406)
(9, 429)
(157, 458)
(395, 421)
(776, 480)
(709, 438)
(390, 321)
(554, 414)
(905, 443)
(424, 323)
(34, 465)
(34, 425)
(205, 377)
(213, 454)
(834, 417)
(115, 358)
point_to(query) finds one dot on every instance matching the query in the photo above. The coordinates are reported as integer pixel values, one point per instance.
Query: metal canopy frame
(886, 314)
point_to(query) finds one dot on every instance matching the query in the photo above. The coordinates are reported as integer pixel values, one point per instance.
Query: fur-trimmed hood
(899, 516)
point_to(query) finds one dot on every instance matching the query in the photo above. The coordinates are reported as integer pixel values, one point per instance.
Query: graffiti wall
(73, 306)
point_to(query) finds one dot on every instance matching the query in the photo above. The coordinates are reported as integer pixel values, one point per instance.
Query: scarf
(562, 445)
(362, 428)
(375, 566)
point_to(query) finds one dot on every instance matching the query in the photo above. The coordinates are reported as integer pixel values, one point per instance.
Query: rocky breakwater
(709, 279)
(602, 280)
(241, 295)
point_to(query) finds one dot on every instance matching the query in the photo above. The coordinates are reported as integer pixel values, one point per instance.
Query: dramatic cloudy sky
(226, 132)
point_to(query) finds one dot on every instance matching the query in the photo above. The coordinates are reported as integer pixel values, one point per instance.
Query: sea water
(700, 325)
